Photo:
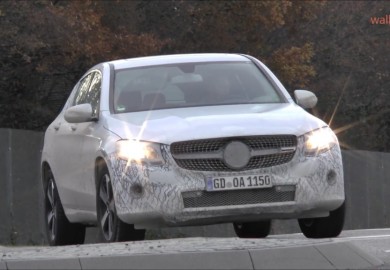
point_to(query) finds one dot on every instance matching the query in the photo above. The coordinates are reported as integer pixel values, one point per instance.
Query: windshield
(191, 85)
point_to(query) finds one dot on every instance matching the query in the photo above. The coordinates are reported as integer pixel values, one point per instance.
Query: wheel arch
(100, 163)
(45, 169)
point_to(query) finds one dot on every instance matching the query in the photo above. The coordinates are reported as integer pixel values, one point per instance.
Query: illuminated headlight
(139, 151)
(319, 141)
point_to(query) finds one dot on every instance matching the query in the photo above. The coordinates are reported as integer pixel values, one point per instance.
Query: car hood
(181, 124)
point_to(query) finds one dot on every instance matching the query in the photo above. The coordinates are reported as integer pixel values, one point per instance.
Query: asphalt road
(358, 249)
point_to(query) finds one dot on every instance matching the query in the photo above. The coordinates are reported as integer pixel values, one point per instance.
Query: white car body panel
(167, 126)
(162, 202)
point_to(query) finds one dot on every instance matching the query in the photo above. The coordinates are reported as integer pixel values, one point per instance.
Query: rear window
(191, 85)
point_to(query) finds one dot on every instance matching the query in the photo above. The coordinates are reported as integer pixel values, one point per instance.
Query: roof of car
(176, 58)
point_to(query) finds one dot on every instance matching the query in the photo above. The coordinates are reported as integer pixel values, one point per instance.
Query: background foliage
(329, 47)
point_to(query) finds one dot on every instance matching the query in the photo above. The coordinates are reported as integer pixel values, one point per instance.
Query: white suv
(191, 139)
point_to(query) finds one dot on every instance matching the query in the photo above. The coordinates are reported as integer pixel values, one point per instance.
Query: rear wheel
(260, 229)
(325, 227)
(111, 228)
(59, 230)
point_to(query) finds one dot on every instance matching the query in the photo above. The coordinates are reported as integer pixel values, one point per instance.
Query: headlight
(319, 141)
(139, 151)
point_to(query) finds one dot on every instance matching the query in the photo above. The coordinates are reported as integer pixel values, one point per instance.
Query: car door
(56, 151)
(69, 141)
(91, 142)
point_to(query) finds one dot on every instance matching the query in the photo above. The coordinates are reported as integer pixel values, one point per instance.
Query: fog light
(137, 189)
(331, 177)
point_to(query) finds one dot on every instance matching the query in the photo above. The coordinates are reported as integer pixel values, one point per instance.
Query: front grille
(196, 199)
(219, 165)
(215, 145)
(203, 164)
(269, 142)
(200, 146)
(269, 160)
(254, 142)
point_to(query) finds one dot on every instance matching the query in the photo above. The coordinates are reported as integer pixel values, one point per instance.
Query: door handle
(73, 127)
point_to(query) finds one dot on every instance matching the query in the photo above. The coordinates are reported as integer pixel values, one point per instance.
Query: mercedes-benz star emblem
(236, 155)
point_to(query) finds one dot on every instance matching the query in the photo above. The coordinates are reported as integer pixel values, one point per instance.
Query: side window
(82, 92)
(93, 96)
(89, 91)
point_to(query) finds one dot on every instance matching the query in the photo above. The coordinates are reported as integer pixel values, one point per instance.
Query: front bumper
(154, 196)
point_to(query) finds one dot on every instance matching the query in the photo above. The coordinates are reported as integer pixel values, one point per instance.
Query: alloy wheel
(107, 207)
(51, 213)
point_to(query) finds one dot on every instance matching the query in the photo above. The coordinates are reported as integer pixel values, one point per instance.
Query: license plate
(238, 182)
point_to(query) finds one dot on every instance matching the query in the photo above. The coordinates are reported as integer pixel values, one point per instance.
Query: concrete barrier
(21, 218)
(21, 198)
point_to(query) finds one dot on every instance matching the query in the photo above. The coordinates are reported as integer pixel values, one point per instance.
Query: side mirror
(79, 113)
(305, 99)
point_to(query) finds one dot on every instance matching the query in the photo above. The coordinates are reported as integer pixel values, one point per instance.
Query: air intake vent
(197, 199)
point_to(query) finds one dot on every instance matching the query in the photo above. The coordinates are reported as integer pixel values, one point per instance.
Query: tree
(352, 78)
(330, 47)
(233, 26)
(46, 47)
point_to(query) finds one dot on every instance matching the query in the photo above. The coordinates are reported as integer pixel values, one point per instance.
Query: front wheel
(111, 228)
(58, 228)
(325, 227)
(260, 229)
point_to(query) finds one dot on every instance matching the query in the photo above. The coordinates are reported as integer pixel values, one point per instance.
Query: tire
(59, 230)
(111, 228)
(326, 227)
(260, 229)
